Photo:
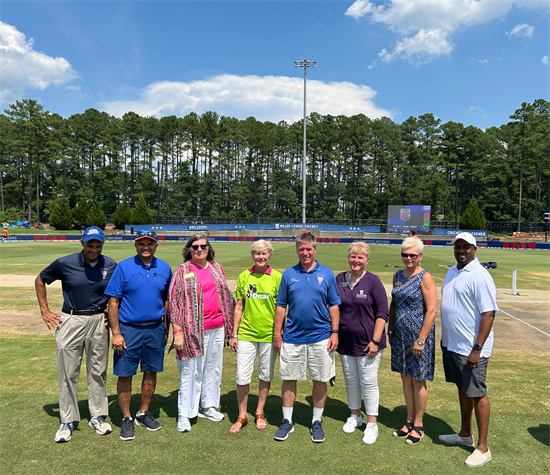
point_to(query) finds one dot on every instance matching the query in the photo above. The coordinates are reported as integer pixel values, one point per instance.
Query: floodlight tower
(304, 63)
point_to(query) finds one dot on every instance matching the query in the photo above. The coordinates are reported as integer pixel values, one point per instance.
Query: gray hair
(306, 237)
(412, 242)
(261, 245)
(359, 248)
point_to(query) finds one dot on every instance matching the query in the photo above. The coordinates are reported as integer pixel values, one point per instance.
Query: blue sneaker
(64, 432)
(317, 432)
(147, 420)
(284, 429)
(127, 429)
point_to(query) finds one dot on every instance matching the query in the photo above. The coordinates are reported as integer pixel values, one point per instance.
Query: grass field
(533, 266)
(519, 435)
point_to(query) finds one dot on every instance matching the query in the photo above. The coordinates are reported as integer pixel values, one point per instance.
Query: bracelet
(234, 335)
(375, 342)
(334, 331)
(178, 331)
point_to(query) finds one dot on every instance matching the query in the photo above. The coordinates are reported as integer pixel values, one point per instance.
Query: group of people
(304, 315)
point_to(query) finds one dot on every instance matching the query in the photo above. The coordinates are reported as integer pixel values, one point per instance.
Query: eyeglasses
(195, 247)
(411, 256)
(150, 234)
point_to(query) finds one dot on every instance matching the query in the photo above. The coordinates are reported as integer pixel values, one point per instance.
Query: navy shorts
(456, 371)
(145, 344)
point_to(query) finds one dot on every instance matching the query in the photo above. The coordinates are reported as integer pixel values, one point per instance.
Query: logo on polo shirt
(103, 273)
(320, 278)
(254, 294)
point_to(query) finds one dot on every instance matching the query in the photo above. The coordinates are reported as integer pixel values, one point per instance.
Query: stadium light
(304, 63)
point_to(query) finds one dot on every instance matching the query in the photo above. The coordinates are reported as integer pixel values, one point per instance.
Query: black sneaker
(147, 420)
(317, 432)
(127, 429)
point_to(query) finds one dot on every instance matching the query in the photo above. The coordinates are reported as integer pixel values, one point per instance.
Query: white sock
(287, 413)
(139, 414)
(359, 418)
(317, 413)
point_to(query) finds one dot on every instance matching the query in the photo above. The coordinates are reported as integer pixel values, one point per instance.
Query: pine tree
(473, 217)
(61, 216)
(81, 212)
(123, 215)
(141, 214)
(96, 216)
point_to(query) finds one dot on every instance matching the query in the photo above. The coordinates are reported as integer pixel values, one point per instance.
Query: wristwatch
(420, 342)
(375, 342)
(477, 347)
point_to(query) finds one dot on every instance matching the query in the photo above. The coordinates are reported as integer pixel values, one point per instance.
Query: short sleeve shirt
(465, 295)
(142, 289)
(83, 285)
(259, 295)
(308, 296)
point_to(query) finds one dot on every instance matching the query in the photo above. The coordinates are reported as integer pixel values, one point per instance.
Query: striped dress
(409, 317)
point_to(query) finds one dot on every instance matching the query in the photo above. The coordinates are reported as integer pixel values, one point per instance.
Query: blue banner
(454, 232)
(233, 227)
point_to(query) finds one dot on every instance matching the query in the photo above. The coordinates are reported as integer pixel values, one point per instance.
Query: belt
(90, 311)
(143, 324)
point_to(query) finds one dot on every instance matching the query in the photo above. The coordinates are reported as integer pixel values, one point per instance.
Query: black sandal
(401, 433)
(411, 439)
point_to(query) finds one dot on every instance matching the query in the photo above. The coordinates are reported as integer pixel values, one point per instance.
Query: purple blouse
(359, 309)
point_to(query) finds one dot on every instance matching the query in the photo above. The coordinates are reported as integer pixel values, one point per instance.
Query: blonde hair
(359, 248)
(261, 245)
(412, 242)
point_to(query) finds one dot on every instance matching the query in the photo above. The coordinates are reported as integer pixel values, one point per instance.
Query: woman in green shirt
(256, 295)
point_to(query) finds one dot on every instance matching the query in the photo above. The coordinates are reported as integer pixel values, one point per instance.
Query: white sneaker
(100, 426)
(64, 433)
(183, 424)
(455, 439)
(371, 433)
(352, 423)
(211, 414)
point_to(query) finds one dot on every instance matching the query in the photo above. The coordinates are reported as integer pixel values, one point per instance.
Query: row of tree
(209, 165)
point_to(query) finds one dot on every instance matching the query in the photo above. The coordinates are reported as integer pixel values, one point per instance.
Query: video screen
(407, 216)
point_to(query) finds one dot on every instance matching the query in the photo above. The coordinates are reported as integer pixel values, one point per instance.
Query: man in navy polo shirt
(81, 324)
(138, 295)
(310, 335)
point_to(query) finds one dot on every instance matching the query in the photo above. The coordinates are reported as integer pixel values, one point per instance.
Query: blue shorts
(144, 343)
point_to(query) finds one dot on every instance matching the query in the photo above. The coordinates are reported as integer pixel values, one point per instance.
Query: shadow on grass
(541, 433)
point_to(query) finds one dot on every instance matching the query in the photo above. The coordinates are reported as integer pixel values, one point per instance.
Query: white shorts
(246, 355)
(315, 356)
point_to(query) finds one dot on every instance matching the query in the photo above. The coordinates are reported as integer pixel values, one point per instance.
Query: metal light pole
(304, 63)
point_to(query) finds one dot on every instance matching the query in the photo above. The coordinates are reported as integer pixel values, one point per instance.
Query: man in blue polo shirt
(138, 295)
(310, 335)
(81, 324)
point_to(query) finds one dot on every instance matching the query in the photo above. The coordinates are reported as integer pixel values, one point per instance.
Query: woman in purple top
(363, 315)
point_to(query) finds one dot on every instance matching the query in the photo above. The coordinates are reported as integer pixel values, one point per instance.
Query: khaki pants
(72, 336)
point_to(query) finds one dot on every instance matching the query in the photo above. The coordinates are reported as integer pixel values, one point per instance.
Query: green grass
(518, 437)
(532, 266)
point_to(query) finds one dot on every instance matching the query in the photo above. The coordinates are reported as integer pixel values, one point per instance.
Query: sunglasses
(150, 234)
(195, 247)
(411, 256)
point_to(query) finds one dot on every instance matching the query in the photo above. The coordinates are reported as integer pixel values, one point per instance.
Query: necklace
(353, 283)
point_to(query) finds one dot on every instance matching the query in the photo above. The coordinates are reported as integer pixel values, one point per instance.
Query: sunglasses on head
(150, 234)
(195, 247)
(411, 256)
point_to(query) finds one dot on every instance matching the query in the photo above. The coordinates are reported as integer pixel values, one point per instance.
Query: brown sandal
(243, 421)
(261, 424)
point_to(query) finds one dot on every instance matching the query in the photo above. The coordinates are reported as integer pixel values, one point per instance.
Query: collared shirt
(83, 285)
(142, 289)
(465, 295)
(308, 296)
(259, 293)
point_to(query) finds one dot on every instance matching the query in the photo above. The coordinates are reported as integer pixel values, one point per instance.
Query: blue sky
(470, 61)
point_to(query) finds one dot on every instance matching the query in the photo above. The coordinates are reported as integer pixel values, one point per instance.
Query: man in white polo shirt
(468, 305)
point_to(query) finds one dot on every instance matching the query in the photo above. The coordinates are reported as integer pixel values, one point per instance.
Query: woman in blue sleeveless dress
(412, 335)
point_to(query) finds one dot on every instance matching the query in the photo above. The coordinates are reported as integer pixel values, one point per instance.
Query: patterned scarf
(186, 307)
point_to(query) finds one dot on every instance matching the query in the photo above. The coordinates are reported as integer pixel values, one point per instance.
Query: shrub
(96, 216)
(473, 217)
(81, 212)
(141, 214)
(61, 216)
(122, 215)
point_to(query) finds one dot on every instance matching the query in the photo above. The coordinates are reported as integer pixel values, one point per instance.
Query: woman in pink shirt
(201, 310)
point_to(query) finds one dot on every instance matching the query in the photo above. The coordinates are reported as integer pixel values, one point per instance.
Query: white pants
(361, 376)
(201, 377)
(246, 355)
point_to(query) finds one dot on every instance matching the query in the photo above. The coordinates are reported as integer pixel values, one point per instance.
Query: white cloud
(272, 98)
(522, 30)
(544, 60)
(475, 108)
(417, 21)
(24, 68)
(483, 60)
